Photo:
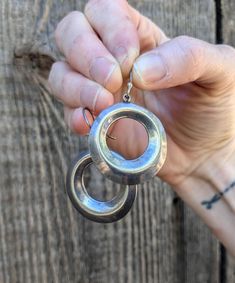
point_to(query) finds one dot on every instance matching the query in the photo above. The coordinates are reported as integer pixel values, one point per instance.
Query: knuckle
(64, 25)
(191, 48)
(81, 39)
(192, 51)
(78, 44)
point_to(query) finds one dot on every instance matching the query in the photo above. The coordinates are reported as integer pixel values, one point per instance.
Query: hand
(189, 84)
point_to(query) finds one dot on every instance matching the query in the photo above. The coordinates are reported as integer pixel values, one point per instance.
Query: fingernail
(101, 70)
(150, 68)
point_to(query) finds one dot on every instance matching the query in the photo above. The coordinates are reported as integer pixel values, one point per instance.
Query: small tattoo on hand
(209, 203)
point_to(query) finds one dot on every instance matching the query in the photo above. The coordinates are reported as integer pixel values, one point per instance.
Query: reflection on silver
(129, 172)
(99, 211)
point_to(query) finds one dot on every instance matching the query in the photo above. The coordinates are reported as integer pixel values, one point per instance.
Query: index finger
(111, 20)
(86, 53)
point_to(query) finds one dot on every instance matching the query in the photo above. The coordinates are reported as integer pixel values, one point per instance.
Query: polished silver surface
(99, 211)
(116, 168)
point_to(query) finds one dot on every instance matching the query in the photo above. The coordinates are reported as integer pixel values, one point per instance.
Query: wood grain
(228, 32)
(228, 21)
(42, 238)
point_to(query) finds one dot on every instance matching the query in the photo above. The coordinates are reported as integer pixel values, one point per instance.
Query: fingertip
(148, 70)
(103, 100)
(114, 80)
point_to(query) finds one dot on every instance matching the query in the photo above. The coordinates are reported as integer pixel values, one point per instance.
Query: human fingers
(75, 90)
(85, 52)
(150, 35)
(183, 60)
(123, 30)
(112, 22)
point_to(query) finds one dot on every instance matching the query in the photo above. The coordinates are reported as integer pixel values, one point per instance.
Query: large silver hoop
(99, 211)
(118, 169)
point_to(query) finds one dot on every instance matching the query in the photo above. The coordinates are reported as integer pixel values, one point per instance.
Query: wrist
(217, 172)
(210, 191)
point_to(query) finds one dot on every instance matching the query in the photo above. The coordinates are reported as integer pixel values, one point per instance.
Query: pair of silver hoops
(129, 173)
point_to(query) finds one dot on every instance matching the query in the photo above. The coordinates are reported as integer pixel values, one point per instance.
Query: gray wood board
(228, 21)
(228, 36)
(42, 238)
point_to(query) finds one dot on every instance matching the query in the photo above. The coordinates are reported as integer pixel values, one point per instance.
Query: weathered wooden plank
(194, 18)
(227, 23)
(42, 237)
(229, 267)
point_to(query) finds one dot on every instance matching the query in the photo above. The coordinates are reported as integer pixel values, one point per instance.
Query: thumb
(183, 60)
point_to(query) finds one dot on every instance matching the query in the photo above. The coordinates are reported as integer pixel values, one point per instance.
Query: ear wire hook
(127, 94)
(88, 122)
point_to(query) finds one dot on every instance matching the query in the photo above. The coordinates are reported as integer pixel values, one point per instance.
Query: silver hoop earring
(129, 172)
(98, 211)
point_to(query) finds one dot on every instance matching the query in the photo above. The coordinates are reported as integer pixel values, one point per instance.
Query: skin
(188, 83)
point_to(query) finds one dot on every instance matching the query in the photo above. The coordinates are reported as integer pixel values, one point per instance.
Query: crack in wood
(219, 21)
(220, 40)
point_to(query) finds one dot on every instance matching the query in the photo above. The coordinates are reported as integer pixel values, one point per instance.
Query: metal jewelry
(98, 211)
(129, 172)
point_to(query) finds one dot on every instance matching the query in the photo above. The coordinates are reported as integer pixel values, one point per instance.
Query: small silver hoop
(98, 211)
(123, 171)
(85, 116)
